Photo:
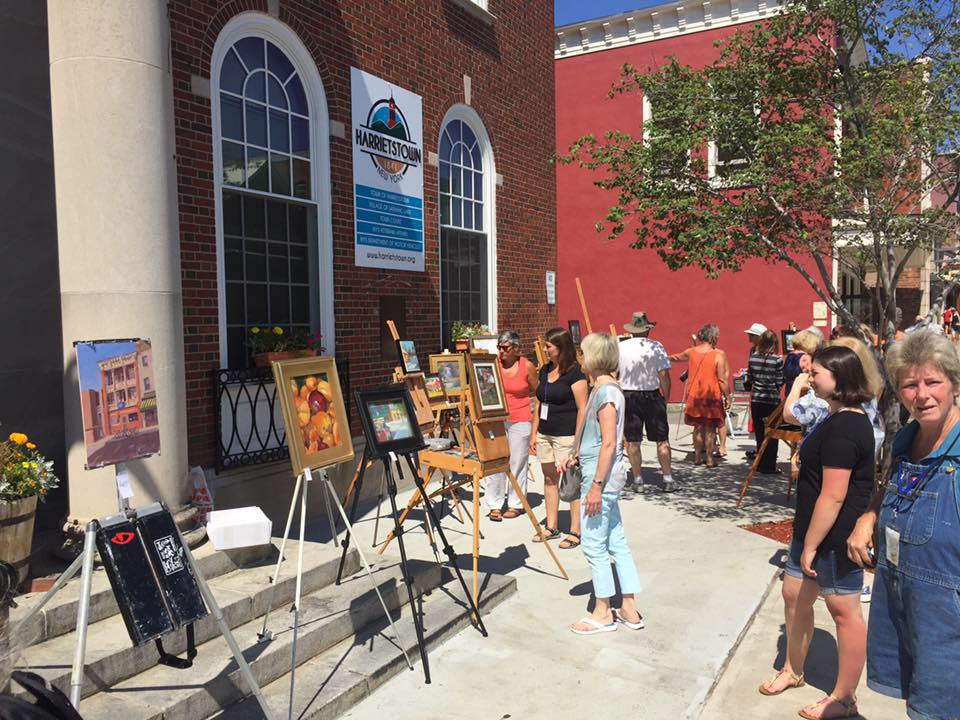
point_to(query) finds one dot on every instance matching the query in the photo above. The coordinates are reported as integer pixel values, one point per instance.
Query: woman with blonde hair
(604, 472)
(806, 409)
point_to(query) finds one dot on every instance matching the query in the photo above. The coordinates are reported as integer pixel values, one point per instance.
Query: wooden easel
(483, 451)
(431, 428)
(776, 429)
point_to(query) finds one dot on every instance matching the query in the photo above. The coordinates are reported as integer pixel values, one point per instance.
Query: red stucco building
(618, 280)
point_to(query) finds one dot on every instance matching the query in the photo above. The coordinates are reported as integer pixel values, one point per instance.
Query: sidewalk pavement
(703, 579)
(762, 650)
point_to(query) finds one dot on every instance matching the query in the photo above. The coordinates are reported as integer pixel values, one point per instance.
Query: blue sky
(88, 355)
(571, 11)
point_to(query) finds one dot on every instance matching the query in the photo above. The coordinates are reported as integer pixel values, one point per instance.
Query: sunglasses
(505, 348)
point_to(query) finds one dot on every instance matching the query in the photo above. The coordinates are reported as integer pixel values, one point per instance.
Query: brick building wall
(426, 48)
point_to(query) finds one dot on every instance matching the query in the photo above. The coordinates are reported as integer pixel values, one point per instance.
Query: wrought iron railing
(249, 418)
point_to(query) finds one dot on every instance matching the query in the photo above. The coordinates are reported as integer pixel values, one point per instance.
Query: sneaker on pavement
(669, 486)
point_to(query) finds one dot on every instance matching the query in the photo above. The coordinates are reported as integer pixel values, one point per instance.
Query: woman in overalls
(913, 645)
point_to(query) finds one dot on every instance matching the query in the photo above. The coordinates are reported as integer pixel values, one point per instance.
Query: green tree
(825, 126)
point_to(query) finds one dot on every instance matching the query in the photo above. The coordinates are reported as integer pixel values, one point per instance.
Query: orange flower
(31, 446)
(18, 438)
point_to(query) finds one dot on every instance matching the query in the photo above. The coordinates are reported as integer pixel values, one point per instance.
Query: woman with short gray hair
(913, 637)
(519, 383)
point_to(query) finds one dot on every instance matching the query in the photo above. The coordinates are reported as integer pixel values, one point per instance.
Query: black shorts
(645, 408)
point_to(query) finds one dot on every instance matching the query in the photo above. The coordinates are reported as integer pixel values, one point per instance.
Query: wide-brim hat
(756, 329)
(639, 323)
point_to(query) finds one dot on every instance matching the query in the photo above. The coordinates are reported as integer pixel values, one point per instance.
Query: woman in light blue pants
(601, 459)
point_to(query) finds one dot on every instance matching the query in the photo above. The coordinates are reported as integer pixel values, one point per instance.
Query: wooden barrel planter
(16, 533)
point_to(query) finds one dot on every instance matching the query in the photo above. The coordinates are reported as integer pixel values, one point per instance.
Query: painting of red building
(118, 401)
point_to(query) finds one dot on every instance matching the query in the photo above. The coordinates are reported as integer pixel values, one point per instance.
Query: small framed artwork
(408, 356)
(574, 326)
(452, 371)
(389, 420)
(435, 390)
(786, 338)
(486, 385)
(484, 344)
(314, 415)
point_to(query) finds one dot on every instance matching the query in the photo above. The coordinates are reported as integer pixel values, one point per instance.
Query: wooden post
(583, 307)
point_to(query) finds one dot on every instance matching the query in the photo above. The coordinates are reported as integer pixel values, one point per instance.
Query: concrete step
(242, 594)
(327, 617)
(59, 616)
(334, 681)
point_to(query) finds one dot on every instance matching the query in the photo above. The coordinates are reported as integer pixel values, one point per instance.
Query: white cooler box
(239, 527)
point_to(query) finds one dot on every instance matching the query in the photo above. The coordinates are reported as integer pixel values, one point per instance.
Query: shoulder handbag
(572, 478)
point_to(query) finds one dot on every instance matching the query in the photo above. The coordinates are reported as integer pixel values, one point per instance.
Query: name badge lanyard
(544, 409)
(909, 487)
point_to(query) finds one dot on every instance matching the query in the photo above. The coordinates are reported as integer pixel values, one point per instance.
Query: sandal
(595, 626)
(495, 515)
(797, 681)
(512, 513)
(568, 542)
(547, 534)
(619, 617)
(848, 708)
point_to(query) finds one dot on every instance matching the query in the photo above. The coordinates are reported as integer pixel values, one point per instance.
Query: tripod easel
(776, 429)
(397, 532)
(484, 450)
(300, 489)
(85, 561)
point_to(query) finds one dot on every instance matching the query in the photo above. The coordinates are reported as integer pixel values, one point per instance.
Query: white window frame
(260, 25)
(468, 115)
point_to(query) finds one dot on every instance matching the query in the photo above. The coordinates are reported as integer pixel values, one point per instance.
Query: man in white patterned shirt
(645, 381)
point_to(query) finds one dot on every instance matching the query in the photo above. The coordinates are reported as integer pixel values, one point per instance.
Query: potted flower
(273, 343)
(25, 475)
(461, 332)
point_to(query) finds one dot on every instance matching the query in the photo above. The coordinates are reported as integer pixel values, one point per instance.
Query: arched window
(466, 218)
(268, 202)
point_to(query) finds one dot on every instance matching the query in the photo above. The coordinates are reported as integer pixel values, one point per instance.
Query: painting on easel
(452, 371)
(118, 401)
(435, 390)
(408, 356)
(389, 420)
(486, 385)
(314, 415)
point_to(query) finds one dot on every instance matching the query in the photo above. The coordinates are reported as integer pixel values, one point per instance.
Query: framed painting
(408, 356)
(314, 415)
(389, 420)
(786, 339)
(574, 326)
(486, 385)
(484, 344)
(452, 371)
(435, 390)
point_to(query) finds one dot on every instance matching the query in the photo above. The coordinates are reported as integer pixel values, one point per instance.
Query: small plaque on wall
(392, 307)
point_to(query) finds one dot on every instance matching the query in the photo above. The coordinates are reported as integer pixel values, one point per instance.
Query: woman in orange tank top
(519, 383)
(708, 390)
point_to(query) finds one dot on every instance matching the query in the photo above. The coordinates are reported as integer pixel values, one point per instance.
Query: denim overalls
(913, 645)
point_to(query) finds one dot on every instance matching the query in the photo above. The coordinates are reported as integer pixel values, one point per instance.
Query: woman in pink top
(519, 384)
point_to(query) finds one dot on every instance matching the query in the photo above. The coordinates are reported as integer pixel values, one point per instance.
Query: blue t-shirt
(591, 439)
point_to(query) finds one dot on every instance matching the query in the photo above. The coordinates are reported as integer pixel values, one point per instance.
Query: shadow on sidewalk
(712, 493)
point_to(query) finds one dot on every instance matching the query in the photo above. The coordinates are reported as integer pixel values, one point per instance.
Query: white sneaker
(669, 486)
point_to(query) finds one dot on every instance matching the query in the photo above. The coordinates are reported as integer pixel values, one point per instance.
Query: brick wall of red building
(425, 48)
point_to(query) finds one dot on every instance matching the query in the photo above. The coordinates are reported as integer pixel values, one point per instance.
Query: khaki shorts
(554, 448)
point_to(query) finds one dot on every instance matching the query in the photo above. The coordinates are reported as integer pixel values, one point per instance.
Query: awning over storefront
(148, 404)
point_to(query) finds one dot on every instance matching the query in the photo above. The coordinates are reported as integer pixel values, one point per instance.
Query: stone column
(112, 111)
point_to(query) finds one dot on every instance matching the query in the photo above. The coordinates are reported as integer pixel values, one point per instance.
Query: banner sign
(388, 157)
